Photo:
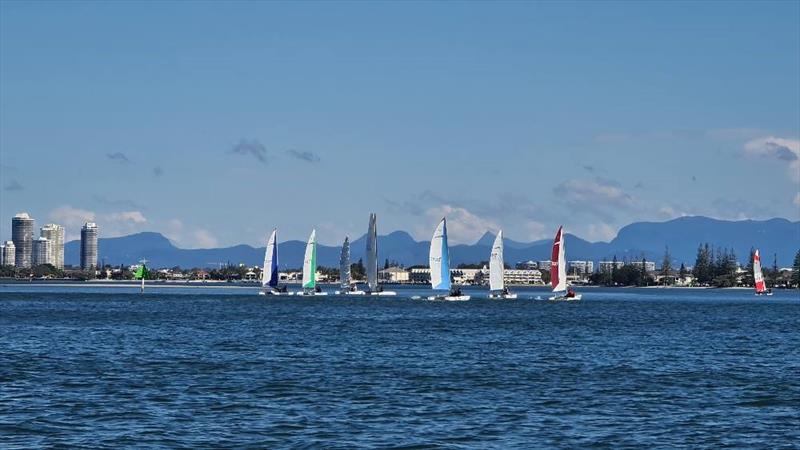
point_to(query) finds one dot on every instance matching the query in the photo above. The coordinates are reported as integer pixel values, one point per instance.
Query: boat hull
(310, 294)
(503, 296)
(564, 298)
(450, 298)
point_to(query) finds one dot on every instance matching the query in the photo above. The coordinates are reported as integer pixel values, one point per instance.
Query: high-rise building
(8, 254)
(55, 234)
(89, 245)
(42, 251)
(22, 235)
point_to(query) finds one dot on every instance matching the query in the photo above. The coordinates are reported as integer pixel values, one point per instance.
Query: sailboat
(558, 270)
(497, 288)
(345, 279)
(269, 273)
(439, 260)
(310, 287)
(758, 276)
(372, 259)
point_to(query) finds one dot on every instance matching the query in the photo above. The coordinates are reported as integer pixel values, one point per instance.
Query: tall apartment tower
(55, 234)
(42, 251)
(89, 245)
(22, 235)
(8, 254)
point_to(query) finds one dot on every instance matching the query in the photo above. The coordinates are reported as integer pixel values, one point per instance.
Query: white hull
(451, 298)
(564, 298)
(763, 293)
(350, 293)
(311, 294)
(503, 296)
(275, 293)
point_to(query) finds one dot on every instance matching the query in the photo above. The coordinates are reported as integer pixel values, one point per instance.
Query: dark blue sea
(202, 368)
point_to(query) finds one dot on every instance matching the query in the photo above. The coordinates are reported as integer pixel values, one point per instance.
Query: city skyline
(510, 116)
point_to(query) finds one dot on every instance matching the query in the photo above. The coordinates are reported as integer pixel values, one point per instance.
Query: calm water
(202, 368)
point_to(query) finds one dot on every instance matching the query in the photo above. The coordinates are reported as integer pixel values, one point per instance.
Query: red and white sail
(558, 264)
(758, 276)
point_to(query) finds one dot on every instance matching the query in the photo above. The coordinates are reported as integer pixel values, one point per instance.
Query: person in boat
(455, 292)
(317, 289)
(570, 293)
(505, 291)
(769, 291)
(281, 289)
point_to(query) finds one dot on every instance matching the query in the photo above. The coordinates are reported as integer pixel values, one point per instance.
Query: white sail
(269, 273)
(372, 253)
(496, 264)
(439, 258)
(558, 263)
(344, 264)
(310, 262)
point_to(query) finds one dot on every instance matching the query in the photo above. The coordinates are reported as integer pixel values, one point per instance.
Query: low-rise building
(608, 266)
(649, 266)
(544, 265)
(522, 276)
(580, 267)
(527, 265)
(394, 275)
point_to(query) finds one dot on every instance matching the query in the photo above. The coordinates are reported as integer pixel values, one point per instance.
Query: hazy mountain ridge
(682, 235)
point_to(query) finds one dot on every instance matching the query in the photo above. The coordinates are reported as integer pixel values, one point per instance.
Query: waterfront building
(522, 276)
(544, 265)
(649, 266)
(580, 267)
(394, 275)
(527, 265)
(42, 251)
(608, 266)
(55, 234)
(89, 245)
(22, 235)
(7, 254)
(420, 275)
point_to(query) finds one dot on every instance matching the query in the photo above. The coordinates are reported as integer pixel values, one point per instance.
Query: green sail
(310, 262)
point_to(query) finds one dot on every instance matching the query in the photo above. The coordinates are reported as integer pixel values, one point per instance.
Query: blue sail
(439, 260)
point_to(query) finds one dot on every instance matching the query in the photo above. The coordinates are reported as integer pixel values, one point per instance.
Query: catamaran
(439, 262)
(497, 288)
(558, 270)
(758, 276)
(310, 287)
(372, 259)
(269, 273)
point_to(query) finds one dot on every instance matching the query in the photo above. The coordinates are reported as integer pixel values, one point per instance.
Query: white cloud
(796, 200)
(126, 216)
(536, 230)
(786, 150)
(462, 225)
(600, 232)
(596, 194)
(204, 239)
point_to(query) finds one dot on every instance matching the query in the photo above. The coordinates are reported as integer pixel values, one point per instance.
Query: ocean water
(199, 368)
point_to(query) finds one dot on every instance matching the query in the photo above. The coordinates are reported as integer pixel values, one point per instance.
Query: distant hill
(682, 235)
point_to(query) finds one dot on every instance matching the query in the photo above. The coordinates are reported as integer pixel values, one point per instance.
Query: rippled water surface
(201, 367)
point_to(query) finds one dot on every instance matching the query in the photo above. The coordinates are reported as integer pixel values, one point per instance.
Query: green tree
(666, 265)
(796, 270)
(683, 272)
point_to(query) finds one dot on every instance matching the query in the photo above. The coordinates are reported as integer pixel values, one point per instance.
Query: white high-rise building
(22, 235)
(8, 254)
(42, 251)
(55, 234)
(89, 245)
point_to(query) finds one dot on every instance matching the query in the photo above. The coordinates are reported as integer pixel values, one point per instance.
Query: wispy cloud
(306, 156)
(118, 157)
(252, 148)
(116, 203)
(13, 185)
(111, 224)
(781, 149)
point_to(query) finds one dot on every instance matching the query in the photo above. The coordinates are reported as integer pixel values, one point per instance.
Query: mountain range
(649, 239)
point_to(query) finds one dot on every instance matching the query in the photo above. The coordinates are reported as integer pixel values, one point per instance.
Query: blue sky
(214, 122)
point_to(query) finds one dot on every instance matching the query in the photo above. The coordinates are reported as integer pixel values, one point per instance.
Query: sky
(214, 122)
